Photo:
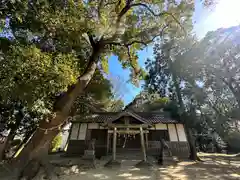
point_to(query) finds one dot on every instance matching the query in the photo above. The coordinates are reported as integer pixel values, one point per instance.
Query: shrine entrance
(125, 141)
(123, 138)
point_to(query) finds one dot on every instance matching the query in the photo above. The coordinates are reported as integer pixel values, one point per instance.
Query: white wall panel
(181, 133)
(93, 126)
(82, 131)
(161, 126)
(74, 132)
(172, 132)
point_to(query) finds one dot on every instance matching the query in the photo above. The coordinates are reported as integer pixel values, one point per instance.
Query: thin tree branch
(91, 39)
(120, 15)
(123, 11)
(111, 3)
(100, 4)
(160, 14)
(136, 69)
(137, 41)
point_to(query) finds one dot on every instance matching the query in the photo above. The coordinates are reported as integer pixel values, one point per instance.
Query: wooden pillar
(114, 143)
(108, 138)
(143, 145)
(146, 136)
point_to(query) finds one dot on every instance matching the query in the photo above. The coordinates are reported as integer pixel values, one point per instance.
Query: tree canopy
(202, 77)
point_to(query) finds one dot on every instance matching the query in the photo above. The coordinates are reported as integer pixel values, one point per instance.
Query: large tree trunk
(193, 151)
(37, 147)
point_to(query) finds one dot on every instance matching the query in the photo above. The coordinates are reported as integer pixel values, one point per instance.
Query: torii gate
(139, 129)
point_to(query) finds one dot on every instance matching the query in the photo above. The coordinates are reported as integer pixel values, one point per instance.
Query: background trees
(202, 77)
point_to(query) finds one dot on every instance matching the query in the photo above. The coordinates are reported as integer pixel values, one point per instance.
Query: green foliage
(113, 105)
(202, 78)
(28, 74)
(53, 40)
(56, 143)
(122, 27)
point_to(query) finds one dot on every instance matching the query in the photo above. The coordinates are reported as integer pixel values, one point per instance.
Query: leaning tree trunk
(37, 148)
(193, 151)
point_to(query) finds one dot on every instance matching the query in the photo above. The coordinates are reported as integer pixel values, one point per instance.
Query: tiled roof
(154, 117)
(147, 117)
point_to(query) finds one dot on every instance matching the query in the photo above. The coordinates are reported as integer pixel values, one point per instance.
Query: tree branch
(160, 14)
(136, 70)
(91, 39)
(99, 9)
(120, 15)
(123, 11)
(138, 41)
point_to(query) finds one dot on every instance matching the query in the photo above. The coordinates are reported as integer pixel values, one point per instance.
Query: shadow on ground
(210, 169)
(213, 168)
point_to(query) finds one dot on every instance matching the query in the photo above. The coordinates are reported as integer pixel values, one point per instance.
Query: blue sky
(120, 77)
(225, 14)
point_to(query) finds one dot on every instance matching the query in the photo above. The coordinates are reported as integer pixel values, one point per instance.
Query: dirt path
(213, 168)
(181, 171)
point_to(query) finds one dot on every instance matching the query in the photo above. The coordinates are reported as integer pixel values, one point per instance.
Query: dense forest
(55, 54)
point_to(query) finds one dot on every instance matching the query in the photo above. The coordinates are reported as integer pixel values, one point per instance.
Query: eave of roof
(107, 117)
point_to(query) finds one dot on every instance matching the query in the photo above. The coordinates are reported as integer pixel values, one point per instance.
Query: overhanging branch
(136, 70)
(100, 4)
(145, 43)
(91, 39)
(160, 14)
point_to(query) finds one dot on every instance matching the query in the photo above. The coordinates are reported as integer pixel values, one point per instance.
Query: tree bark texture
(193, 151)
(38, 145)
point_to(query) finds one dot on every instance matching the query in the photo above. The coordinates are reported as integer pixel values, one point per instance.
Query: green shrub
(56, 143)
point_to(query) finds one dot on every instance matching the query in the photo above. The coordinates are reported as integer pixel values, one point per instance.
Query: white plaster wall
(74, 133)
(161, 126)
(93, 126)
(82, 131)
(181, 133)
(172, 132)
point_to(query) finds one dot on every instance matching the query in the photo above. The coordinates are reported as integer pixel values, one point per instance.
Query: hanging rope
(54, 127)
